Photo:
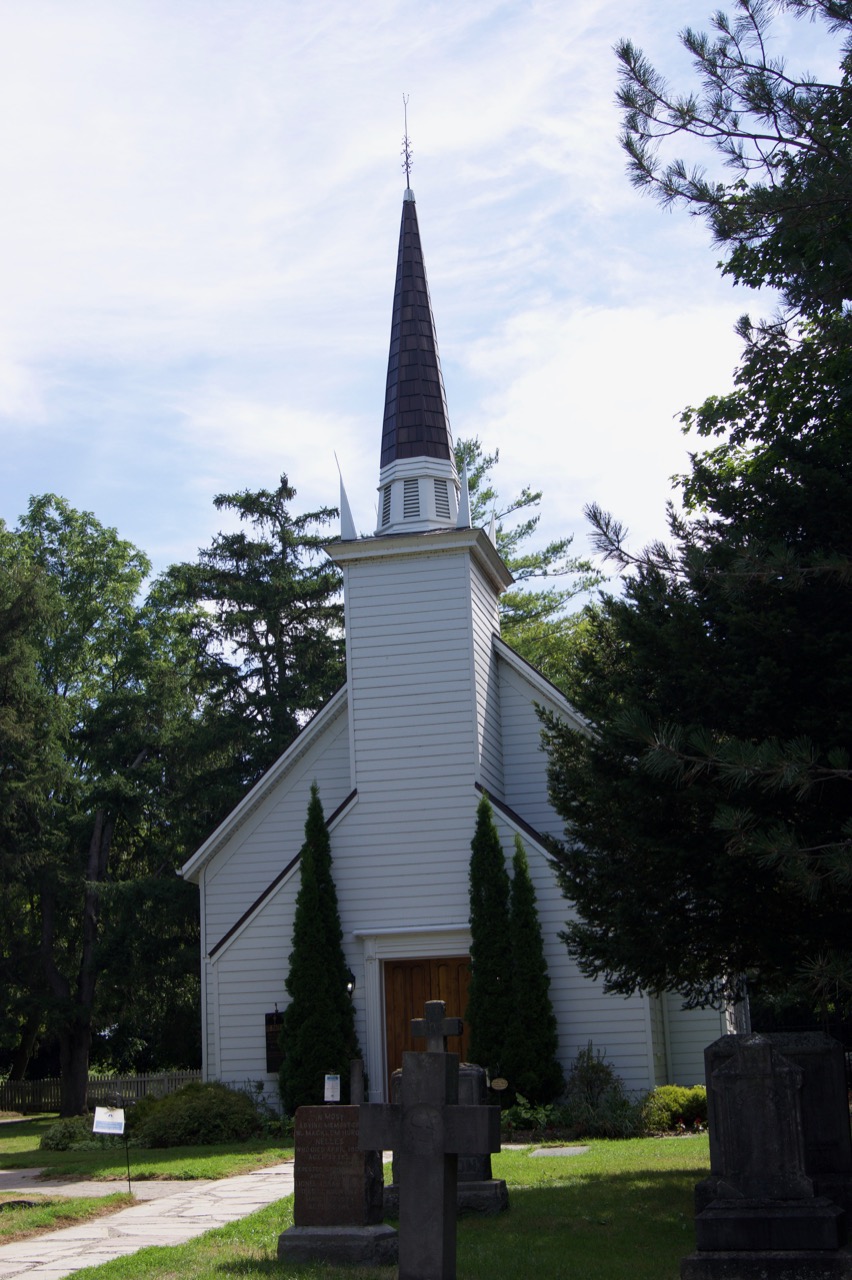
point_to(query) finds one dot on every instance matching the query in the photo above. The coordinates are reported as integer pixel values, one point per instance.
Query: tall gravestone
(826, 1130)
(764, 1221)
(428, 1129)
(477, 1191)
(337, 1209)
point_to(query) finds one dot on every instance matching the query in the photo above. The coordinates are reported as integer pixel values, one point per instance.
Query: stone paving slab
(29, 1182)
(188, 1211)
(559, 1151)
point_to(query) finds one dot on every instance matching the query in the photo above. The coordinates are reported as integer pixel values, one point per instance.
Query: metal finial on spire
(406, 152)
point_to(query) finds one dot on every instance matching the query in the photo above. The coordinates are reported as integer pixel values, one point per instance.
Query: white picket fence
(43, 1095)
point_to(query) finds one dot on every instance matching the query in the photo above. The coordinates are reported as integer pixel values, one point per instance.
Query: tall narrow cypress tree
(532, 1043)
(489, 1000)
(318, 1033)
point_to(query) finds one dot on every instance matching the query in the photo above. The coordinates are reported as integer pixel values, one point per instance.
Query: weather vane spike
(406, 145)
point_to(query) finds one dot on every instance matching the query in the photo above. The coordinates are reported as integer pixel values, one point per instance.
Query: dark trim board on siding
(515, 817)
(270, 888)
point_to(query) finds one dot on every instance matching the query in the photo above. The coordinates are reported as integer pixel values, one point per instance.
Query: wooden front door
(408, 985)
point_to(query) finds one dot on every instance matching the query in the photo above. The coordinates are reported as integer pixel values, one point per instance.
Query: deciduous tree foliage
(318, 1032)
(100, 686)
(710, 810)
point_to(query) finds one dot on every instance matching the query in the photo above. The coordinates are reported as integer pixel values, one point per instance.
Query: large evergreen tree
(710, 815)
(271, 628)
(318, 1033)
(783, 213)
(531, 1063)
(489, 998)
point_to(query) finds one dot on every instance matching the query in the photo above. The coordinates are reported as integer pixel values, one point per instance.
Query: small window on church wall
(410, 499)
(442, 500)
(386, 496)
(274, 1051)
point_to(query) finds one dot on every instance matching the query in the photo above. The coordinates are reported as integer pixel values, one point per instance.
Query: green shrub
(596, 1103)
(524, 1114)
(196, 1115)
(75, 1134)
(591, 1077)
(613, 1115)
(673, 1106)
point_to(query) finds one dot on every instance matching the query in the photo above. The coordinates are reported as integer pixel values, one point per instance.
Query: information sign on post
(109, 1120)
(332, 1088)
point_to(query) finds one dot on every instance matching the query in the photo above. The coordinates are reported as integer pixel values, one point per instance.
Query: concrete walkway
(168, 1213)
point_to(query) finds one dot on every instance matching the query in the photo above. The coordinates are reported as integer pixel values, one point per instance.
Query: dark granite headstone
(826, 1131)
(336, 1184)
(337, 1209)
(428, 1130)
(764, 1220)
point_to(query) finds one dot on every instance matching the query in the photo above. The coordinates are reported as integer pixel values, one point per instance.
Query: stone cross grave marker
(435, 1027)
(429, 1130)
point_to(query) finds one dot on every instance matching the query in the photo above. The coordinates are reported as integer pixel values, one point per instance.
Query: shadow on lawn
(595, 1225)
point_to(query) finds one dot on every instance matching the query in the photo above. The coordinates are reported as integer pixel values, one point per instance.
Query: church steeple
(418, 482)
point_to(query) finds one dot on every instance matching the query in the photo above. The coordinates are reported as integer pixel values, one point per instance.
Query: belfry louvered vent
(442, 500)
(410, 499)
(386, 495)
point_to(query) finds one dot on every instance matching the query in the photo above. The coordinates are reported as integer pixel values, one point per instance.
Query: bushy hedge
(75, 1134)
(196, 1115)
(673, 1106)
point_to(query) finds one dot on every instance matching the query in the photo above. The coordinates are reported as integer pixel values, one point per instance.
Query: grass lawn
(52, 1214)
(622, 1210)
(19, 1149)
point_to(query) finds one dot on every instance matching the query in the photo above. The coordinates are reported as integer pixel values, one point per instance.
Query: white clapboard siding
(689, 1033)
(525, 762)
(260, 849)
(615, 1025)
(485, 619)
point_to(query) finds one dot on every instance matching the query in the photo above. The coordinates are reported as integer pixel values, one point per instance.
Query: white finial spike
(492, 530)
(463, 521)
(347, 524)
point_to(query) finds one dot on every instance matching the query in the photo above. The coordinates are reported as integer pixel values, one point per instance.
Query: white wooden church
(436, 709)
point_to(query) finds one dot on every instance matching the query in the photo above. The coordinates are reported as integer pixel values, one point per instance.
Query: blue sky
(198, 240)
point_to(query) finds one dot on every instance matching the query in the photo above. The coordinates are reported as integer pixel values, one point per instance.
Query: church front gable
(250, 858)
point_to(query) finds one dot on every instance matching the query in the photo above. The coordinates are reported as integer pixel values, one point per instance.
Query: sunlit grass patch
(52, 1213)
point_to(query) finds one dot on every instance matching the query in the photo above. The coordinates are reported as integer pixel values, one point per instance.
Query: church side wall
(690, 1031)
(486, 624)
(616, 1026)
(249, 975)
(525, 763)
(261, 848)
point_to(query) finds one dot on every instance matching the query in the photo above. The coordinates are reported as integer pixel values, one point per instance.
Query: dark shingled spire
(416, 423)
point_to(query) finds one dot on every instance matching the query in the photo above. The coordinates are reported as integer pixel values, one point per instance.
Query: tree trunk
(26, 1044)
(74, 1045)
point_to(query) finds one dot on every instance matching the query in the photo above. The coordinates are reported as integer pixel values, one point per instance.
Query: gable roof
(283, 875)
(533, 677)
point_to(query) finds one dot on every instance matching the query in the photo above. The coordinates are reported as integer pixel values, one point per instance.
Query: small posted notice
(108, 1120)
(332, 1088)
